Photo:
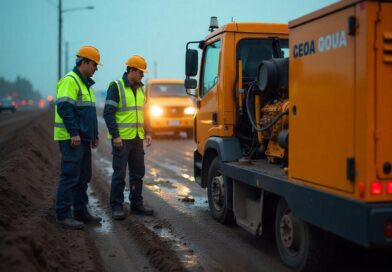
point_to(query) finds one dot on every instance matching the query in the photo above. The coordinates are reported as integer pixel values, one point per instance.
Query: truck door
(207, 116)
(383, 74)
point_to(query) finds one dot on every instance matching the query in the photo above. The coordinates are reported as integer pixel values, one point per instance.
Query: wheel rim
(290, 233)
(217, 192)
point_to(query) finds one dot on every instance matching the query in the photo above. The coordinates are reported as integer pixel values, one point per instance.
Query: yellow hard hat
(89, 52)
(137, 62)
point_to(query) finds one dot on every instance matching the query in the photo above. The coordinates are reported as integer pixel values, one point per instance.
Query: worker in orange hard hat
(137, 62)
(124, 116)
(76, 130)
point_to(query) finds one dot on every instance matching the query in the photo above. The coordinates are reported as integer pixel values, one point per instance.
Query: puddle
(172, 166)
(181, 192)
(157, 184)
(106, 226)
(186, 176)
(106, 166)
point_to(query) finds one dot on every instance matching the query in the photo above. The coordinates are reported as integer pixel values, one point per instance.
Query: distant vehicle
(6, 104)
(171, 109)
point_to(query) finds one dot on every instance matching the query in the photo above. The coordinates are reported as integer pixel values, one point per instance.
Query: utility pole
(60, 39)
(66, 56)
(61, 11)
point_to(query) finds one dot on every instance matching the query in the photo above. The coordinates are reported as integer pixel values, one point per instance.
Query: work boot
(118, 214)
(141, 209)
(70, 223)
(87, 218)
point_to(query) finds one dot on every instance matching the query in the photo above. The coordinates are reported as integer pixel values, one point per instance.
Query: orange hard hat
(89, 52)
(137, 62)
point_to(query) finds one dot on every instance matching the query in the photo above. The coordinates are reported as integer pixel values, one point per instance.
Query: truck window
(254, 51)
(167, 90)
(210, 69)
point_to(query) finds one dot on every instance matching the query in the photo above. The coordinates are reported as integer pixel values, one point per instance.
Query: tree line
(19, 89)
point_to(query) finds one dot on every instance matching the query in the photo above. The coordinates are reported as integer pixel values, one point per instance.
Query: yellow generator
(293, 128)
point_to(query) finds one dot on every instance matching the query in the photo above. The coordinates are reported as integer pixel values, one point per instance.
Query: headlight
(189, 110)
(156, 111)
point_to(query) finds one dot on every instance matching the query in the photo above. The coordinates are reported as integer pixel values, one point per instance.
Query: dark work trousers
(74, 177)
(132, 154)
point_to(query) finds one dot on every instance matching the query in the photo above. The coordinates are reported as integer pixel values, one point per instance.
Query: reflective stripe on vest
(129, 115)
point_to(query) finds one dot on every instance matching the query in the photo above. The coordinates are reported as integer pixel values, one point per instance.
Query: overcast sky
(155, 29)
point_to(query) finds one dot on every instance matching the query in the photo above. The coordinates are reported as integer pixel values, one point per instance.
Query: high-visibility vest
(129, 114)
(72, 89)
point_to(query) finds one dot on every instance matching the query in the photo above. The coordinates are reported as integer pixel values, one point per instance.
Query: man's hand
(148, 140)
(118, 144)
(75, 141)
(95, 143)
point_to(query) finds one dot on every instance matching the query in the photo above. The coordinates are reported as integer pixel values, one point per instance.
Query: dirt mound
(29, 238)
(159, 254)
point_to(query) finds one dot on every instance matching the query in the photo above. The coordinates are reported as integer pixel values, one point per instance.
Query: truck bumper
(379, 216)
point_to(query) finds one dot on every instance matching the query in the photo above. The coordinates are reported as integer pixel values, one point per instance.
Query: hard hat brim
(143, 70)
(98, 63)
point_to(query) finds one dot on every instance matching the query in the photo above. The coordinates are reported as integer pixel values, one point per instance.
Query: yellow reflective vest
(82, 119)
(129, 115)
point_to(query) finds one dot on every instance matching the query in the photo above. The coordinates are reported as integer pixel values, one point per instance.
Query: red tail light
(389, 187)
(388, 229)
(376, 188)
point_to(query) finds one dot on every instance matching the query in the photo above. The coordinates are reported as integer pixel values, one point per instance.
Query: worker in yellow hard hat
(124, 116)
(76, 130)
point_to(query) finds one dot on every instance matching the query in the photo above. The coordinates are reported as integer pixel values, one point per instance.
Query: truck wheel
(220, 194)
(298, 243)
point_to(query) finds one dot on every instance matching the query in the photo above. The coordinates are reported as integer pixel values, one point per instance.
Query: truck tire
(220, 194)
(299, 244)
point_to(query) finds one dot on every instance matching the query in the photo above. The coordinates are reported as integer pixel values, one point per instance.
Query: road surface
(180, 236)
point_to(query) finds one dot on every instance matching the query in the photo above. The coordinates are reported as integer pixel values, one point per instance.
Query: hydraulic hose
(280, 115)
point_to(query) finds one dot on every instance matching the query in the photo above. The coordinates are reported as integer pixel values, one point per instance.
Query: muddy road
(182, 217)
(181, 236)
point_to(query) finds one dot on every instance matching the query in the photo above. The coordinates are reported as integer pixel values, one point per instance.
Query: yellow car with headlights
(170, 108)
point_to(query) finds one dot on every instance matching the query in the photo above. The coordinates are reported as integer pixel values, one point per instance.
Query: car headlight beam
(189, 110)
(156, 111)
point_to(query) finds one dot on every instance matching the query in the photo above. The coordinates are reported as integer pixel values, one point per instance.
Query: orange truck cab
(170, 109)
(293, 128)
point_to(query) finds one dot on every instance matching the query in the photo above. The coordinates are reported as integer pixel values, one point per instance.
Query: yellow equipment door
(383, 88)
(322, 79)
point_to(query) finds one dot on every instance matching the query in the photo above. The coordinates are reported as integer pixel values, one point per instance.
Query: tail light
(376, 188)
(388, 229)
(389, 187)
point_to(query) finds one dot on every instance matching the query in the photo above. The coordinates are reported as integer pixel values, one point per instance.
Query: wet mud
(30, 240)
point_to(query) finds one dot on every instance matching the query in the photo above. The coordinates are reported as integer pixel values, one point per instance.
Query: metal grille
(174, 111)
